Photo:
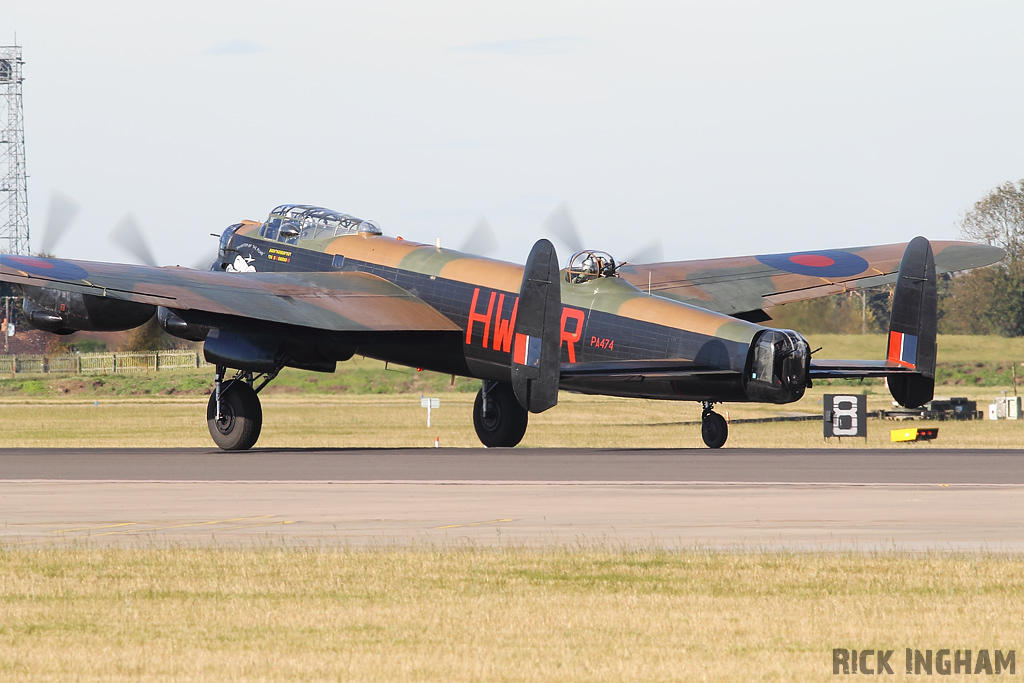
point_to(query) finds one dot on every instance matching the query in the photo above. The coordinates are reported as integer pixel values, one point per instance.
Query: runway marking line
(91, 528)
(182, 526)
(455, 526)
(252, 526)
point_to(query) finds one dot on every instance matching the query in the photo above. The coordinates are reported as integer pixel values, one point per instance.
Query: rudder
(913, 325)
(536, 337)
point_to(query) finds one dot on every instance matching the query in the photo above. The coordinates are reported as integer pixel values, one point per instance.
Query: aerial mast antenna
(14, 232)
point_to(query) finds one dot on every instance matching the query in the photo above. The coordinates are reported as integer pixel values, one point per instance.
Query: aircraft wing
(744, 286)
(332, 302)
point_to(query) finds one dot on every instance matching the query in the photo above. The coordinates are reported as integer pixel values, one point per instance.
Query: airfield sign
(845, 415)
(429, 403)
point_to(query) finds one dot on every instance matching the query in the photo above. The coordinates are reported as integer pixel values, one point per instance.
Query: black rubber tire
(241, 417)
(714, 430)
(506, 420)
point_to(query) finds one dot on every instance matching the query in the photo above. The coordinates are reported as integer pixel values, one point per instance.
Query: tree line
(984, 301)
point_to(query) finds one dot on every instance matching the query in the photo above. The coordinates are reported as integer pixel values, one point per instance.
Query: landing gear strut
(234, 415)
(499, 419)
(713, 427)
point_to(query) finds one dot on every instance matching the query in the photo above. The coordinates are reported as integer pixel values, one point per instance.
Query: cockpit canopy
(290, 223)
(588, 265)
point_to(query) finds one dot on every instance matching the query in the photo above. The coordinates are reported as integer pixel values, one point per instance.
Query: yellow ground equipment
(913, 434)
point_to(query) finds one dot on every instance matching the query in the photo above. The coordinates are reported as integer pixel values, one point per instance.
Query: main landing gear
(499, 419)
(234, 415)
(713, 427)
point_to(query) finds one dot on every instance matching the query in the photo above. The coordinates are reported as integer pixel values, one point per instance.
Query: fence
(101, 363)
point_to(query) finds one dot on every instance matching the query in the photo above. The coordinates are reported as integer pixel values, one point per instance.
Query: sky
(720, 127)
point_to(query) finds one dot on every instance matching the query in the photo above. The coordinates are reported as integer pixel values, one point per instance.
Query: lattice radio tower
(14, 233)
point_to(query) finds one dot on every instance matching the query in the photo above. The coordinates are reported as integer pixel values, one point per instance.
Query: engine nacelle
(176, 327)
(267, 353)
(253, 352)
(61, 312)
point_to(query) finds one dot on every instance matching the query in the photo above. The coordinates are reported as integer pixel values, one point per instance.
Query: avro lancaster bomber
(310, 287)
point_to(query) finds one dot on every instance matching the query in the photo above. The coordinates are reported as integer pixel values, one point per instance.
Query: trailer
(957, 408)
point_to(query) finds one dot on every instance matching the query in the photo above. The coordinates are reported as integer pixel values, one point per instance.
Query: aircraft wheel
(714, 430)
(241, 417)
(506, 420)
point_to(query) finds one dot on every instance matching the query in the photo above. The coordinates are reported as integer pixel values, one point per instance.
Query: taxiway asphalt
(918, 498)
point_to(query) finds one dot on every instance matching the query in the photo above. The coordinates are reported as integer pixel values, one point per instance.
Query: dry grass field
(397, 420)
(465, 614)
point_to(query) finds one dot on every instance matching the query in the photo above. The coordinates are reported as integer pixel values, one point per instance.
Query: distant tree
(990, 300)
(998, 219)
(837, 314)
(879, 307)
(57, 345)
(149, 337)
(90, 346)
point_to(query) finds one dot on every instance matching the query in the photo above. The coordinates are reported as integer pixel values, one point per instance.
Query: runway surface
(920, 498)
(830, 466)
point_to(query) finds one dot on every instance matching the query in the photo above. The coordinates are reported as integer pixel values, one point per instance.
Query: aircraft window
(225, 238)
(369, 228)
(312, 222)
(271, 228)
(781, 358)
(329, 227)
(585, 266)
(290, 230)
(308, 229)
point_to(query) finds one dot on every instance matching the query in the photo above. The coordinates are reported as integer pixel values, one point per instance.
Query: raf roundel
(49, 268)
(829, 263)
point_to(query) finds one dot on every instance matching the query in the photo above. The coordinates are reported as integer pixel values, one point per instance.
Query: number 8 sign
(845, 415)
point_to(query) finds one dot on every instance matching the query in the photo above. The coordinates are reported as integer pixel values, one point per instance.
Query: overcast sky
(723, 128)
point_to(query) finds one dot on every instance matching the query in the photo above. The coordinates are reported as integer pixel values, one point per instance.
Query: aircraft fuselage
(602, 320)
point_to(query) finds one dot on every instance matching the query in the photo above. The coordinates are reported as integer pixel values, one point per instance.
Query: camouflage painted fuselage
(687, 333)
(603, 320)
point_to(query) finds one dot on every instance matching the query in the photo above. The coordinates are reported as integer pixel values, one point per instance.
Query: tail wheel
(241, 417)
(714, 430)
(505, 422)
